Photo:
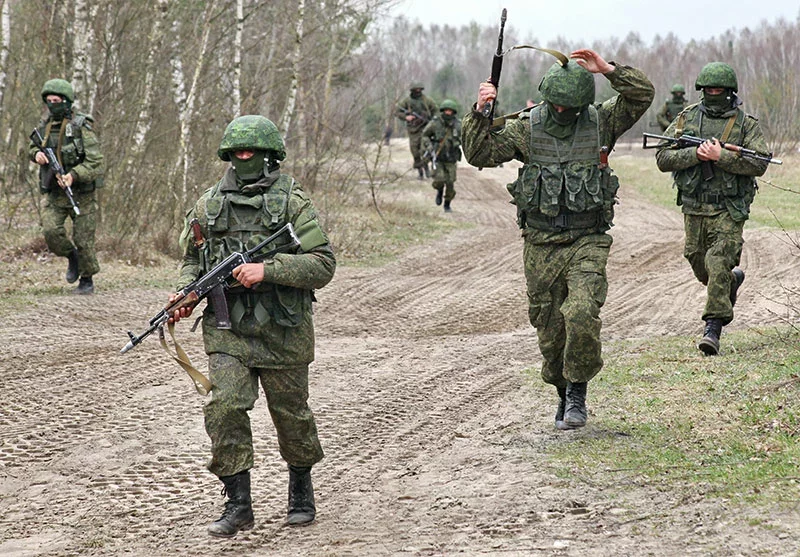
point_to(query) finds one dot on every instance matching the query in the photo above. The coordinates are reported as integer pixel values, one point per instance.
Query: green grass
(773, 207)
(663, 412)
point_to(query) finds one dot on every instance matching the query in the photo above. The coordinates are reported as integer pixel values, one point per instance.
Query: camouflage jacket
(288, 279)
(77, 149)
(423, 106)
(669, 111)
(735, 174)
(488, 148)
(443, 138)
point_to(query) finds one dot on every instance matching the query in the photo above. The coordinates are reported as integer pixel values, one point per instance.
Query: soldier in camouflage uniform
(416, 111)
(272, 335)
(565, 197)
(714, 210)
(75, 144)
(442, 137)
(672, 107)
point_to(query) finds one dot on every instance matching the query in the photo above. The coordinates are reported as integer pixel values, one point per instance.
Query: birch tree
(291, 97)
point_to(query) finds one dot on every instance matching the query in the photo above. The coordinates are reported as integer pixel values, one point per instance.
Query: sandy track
(436, 442)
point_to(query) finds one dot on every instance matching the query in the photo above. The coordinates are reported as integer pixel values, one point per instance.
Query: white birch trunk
(5, 40)
(82, 41)
(156, 38)
(286, 119)
(237, 59)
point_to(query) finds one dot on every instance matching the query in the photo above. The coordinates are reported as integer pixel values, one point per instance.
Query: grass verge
(668, 415)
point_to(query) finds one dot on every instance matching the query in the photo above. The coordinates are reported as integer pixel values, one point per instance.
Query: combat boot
(447, 208)
(301, 496)
(439, 196)
(738, 279)
(575, 408)
(238, 513)
(709, 344)
(421, 176)
(85, 286)
(562, 404)
(72, 266)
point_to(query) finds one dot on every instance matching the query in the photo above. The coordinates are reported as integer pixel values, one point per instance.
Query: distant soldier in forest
(69, 134)
(672, 107)
(715, 189)
(416, 111)
(565, 197)
(272, 336)
(441, 145)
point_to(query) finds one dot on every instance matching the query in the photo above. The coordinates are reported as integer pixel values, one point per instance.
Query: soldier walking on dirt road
(565, 197)
(416, 111)
(441, 142)
(715, 204)
(77, 149)
(272, 336)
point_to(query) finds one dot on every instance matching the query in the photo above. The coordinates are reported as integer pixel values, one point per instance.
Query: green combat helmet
(60, 87)
(571, 86)
(252, 132)
(717, 74)
(448, 103)
(678, 88)
(416, 85)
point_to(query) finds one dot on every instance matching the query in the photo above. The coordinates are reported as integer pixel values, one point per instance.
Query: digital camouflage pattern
(78, 149)
(571, 85)
(717, 74)
(59, 87)
(425, 107)
(228, 423)
(258, 347)
(670, 109)
(714, 210)
(713, 248)
(678, 88)
(565, 269)
(444, 136)
(252, 132)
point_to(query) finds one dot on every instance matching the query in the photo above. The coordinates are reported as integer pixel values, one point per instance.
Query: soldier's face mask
(416, 93)
(250, 169)
(719, 103)
(448, 115)
(58, 110)
(561, 124)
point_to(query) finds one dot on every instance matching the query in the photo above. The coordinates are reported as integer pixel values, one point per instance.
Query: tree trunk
(286, 119)
(237, 59)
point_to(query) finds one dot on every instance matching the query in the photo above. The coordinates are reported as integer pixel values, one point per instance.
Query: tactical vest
(564, 185)
(420, 107)
(674, 108)
(446, 140)
(236, 222)
(67, 143)
(724, 188)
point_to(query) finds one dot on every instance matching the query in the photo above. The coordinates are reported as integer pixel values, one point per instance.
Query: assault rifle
(692, 141)
(431, 155)
(214, 284)
(54, 166)
(409, 112)
(497, 67)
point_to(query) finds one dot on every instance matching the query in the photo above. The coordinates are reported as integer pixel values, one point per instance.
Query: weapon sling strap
(444, 140)
(201, 382)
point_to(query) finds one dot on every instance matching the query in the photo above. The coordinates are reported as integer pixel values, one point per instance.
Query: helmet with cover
(678, 88)
(252, 133)
(449, 103)
(416, 85)
(717, 74)
(570, 86)
(60, 87)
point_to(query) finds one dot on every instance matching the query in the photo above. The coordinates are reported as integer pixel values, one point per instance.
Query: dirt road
(436, 442)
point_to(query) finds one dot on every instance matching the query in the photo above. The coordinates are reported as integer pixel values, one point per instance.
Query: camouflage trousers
(713, 248)
(415, 144)
(234, 395)
(56, 210)
(444, 178)
(567, 286)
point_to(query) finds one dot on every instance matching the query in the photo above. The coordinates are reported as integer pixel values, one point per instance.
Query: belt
(563, 221)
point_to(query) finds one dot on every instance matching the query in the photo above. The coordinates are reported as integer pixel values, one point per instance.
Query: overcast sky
(599, 19)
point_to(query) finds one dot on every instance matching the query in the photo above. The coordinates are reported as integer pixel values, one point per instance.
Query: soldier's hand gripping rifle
(409, 112)
(214, 283)
(497, 66)
(55, 167)
(692, 141)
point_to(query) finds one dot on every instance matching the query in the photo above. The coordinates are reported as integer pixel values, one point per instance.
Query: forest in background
(162, 78)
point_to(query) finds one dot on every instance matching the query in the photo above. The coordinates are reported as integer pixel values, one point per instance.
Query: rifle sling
(201, 382)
